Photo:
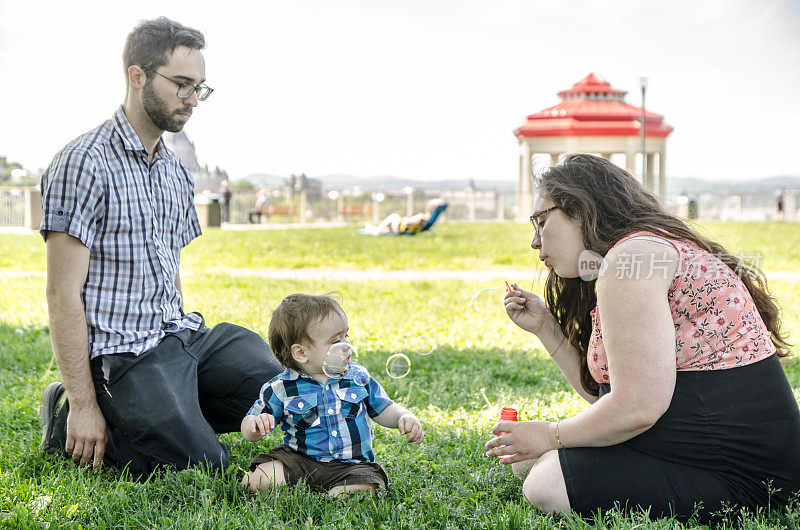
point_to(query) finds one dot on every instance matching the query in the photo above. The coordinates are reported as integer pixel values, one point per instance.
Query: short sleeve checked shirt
(326, 422)
(134, 218)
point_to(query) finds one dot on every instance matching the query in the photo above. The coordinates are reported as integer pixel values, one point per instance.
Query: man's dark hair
(152, 41)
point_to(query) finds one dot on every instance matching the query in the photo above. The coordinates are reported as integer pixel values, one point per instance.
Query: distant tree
(6, 168)
(242, 185)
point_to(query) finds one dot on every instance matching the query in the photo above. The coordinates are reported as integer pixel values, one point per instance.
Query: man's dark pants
(166, 406)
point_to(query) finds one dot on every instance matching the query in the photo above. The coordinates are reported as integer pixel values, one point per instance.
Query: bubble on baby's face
(486, 300)
(398, 366)
(338, 359)
(424, 345)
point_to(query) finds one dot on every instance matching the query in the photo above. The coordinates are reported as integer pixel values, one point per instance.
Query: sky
(420, 89)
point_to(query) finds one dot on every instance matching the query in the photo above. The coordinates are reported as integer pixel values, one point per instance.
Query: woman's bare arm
(639, 339)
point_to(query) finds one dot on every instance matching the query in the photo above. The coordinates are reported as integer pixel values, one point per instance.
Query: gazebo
(592, 118)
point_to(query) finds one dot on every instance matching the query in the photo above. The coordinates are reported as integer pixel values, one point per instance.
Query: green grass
(453, 246)
(445, 483)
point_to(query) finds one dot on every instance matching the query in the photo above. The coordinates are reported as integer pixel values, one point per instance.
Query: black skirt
(729, 437)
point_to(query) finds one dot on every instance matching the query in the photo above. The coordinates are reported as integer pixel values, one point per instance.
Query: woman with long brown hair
(676, 345)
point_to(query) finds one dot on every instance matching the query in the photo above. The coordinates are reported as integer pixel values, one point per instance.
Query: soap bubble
(424, 345)
(338, 359)
(398, 366)
(361, 377)
(486, 300)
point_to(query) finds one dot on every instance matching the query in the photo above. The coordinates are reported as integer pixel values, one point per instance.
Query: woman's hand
(527, 310)
(524, 440)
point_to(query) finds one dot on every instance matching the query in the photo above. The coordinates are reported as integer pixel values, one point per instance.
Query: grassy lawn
(444, 483)
(451, 246)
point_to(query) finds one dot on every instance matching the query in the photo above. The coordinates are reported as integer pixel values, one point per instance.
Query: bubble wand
(486, 399)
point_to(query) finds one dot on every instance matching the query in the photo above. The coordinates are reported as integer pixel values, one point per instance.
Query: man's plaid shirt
(327, 422)
(134, 218)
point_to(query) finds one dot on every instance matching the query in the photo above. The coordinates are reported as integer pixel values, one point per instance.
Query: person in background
(780, 198)
(260, 209)
(225, 194)
(395, 223)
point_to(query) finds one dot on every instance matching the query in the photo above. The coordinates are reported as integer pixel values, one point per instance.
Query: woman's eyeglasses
(535, 219)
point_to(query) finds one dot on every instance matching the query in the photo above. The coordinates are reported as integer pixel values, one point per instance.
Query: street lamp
(409, 191)
(643, 80)
(377, 198)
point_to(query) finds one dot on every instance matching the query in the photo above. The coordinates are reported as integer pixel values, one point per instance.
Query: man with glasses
(145, 384)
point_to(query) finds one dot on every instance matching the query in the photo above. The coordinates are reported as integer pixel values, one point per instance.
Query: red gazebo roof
(592, 107)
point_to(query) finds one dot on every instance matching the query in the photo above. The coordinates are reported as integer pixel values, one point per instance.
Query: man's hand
(86, 435)
(410, 425)
(67, 269)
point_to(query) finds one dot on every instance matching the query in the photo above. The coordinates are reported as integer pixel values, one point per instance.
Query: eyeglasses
(185, 90)
(535, 219)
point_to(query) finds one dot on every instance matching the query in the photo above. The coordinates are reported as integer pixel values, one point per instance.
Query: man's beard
(158, 112)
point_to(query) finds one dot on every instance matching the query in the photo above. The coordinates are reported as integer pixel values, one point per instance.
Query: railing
(12, 208)
(368, 207)
(241, 205)
(463, 205)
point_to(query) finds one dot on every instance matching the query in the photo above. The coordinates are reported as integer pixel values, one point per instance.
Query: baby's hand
(262, 424)
(409, 424)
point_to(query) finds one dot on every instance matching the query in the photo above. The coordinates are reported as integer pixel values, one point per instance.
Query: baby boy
(322, 408)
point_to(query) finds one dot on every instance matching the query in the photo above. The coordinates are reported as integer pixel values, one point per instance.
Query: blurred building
(180, 144)
(296, 184)
(204, 177)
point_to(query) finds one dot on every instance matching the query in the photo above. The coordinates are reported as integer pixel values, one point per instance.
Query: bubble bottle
(507, 414)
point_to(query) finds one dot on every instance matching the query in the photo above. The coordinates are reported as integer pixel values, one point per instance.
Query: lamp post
(334, 195)
(409, 191)
(643, 80)
(377, 199)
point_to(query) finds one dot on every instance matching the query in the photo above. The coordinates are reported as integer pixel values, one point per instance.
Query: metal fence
(463, 205)
(12, 208)
(321, 207)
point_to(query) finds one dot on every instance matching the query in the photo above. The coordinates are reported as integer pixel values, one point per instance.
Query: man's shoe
(54, 419)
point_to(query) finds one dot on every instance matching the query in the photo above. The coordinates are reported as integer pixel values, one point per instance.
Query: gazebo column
(524, 193)
(662, 175)
(651, 180)
(630, 163)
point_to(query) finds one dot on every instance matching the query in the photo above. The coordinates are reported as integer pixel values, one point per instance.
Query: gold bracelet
(558, 438)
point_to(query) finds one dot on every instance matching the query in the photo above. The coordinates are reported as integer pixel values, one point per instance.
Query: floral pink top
(717, 325)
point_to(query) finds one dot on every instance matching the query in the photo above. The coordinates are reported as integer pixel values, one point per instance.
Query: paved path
(415, 275)
(377, 274)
